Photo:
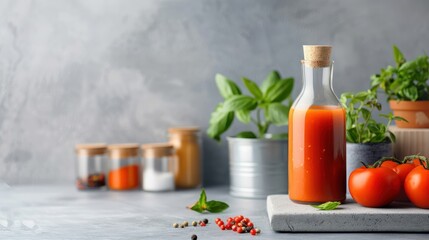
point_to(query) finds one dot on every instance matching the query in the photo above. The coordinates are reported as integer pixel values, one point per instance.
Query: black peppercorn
(205, 220)
(194, 237)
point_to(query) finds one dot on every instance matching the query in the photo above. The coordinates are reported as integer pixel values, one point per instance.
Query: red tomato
(389, 164)
(417, 162)
(417, 187)
(403, 170)
(374, 187)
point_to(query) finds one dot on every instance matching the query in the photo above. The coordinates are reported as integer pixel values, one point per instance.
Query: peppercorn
(175, 225)
(248, 229)
(194, 237)
(185, 223)
(202, 224)
(182, 226)
(205, 220)
(194, 223)
(258, 230)
(253, 232)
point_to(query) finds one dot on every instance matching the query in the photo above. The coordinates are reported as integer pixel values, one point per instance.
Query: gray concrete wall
(124, 71)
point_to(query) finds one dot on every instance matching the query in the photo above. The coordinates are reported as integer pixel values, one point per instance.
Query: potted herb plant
(407, 89)
(257, 160)
(367, 139)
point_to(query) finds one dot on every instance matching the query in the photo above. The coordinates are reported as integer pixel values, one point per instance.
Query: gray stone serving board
(287, 216)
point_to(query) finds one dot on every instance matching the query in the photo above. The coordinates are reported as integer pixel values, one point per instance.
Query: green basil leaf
(398, 118)
(203, 198)
(398, 56)
(366, 114)
(216, 206)
(391, 136)
(240, 102)
(246, 134)
(352, 135)
(270, 80)
(411, 93)
(243, 116)
(227, 88)
(278, 114)
(253, 88)
(197, 207)
(279, 91)
(220, 121)
(327, 205)
(280, 136)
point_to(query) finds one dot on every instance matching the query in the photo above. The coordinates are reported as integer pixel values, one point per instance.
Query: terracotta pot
(416, 113)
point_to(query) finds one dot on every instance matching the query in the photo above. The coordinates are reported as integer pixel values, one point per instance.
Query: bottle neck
(317, 86)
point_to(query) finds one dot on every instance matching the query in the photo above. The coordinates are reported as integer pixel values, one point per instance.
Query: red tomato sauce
(317, 154)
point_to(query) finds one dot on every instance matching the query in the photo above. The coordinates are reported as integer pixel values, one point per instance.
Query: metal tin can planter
(258, 167)
(367, 153)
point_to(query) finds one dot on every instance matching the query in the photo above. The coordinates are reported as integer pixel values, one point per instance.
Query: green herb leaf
(327, 205)
(279, 91)
(280, 136)
(211, 206)
(197, 207)
(203, 198)
(216, 206)
(240, 102)
(398, 56)
(220, 121)
(243, 116)
(227, 88)
(270, 80)
(253, 88)
(246, 134)
(278, 114)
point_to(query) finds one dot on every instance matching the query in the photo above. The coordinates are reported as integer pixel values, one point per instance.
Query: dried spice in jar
(187, 143)
(158, 162)
(90, 166)
(123, 166)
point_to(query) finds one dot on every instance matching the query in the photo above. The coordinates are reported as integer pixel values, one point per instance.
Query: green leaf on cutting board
(327, 205)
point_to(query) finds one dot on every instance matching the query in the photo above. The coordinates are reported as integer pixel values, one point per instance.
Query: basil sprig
(327, 205)
(263, 106)
(212, 206)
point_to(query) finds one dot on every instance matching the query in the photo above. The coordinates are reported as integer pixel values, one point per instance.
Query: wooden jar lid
(125, 150)
(91, 149)
(156, 150)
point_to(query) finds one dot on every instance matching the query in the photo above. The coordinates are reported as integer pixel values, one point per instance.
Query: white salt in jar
(158, 165)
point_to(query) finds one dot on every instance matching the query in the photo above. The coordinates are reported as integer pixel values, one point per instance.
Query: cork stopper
(317, 56)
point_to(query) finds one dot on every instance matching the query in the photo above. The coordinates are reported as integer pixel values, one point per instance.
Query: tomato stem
(412, 157)
(366, 165)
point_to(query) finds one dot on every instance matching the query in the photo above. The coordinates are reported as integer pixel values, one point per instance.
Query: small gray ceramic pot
(258, 167)
(367, 153)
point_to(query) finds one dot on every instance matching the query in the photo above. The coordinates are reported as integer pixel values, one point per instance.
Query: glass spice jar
(90, 166)
(158, 163)
(123, 166)
(187, 142)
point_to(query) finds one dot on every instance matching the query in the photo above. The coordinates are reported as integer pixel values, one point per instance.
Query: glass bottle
(158, 164)
(187, 143)
(123, 167)
(317, 140)
(90, 166)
